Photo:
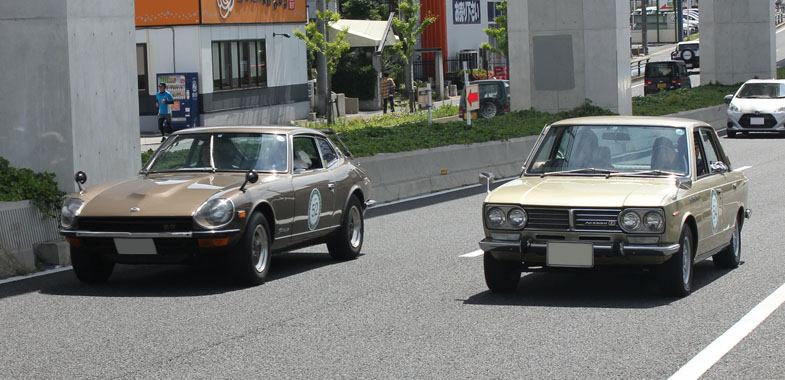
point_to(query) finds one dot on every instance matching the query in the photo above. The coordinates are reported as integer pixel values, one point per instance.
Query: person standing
(388, 90)
(163, 99)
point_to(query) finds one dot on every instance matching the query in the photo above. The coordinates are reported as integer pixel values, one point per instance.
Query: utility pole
(644, 28)
(322, 105)
(679, 20)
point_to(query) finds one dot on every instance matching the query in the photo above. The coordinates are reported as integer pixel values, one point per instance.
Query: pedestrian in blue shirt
(163, 99)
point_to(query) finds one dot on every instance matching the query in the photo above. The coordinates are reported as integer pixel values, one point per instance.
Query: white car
(758, 106)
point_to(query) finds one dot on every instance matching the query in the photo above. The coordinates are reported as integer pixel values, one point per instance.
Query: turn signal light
(74, 242)
(216, 242)
(649, 82)
(676, 81)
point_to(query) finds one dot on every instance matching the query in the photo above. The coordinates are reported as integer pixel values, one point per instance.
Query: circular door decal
(314, 209)
(715, 211)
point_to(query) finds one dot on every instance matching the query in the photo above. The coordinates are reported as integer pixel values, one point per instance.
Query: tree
(315, 41)
(499, 33)
(408, 28)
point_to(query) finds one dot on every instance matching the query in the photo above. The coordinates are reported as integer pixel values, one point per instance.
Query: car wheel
(251, 257)
(488, 110)
(677, 271)
(730, 257)
(501, 276)
(731, 134)
(348, 240)
(89, 267)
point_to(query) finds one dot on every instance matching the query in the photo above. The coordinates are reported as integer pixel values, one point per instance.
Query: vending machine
(185, 91)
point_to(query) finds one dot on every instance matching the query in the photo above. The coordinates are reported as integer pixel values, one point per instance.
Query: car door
(707, 191)
(727, 187)
(340, 171)
(314, 191)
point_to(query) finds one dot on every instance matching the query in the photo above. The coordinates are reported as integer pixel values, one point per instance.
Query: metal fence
(22, 226)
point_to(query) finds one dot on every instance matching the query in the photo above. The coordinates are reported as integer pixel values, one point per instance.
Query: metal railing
(638, 67)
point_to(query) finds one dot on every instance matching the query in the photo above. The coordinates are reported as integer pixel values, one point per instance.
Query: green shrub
(146, 156)
(685, 99)
(355, 81)
(23, 184)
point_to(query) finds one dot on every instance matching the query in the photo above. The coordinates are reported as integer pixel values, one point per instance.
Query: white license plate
(757, 121)
(135, 246)
(571, 255)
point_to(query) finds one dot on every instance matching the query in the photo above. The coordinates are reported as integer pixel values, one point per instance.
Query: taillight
(648, 82)
(460, 112)
(507, 108)
(676, 81)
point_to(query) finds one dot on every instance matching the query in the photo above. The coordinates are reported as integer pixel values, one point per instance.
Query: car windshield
(762, 90)
(221, 152)
(611, 150)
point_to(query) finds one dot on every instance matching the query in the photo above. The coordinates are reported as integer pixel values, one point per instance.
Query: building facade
(250, 67)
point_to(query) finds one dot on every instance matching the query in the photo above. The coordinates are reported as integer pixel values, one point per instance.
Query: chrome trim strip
(310, 232)
(370, 203)
(665, 251)
(505, 245)
(147, 235)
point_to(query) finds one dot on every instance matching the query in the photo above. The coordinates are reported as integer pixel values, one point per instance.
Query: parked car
(233, 193)
(689, 52)
(626, 192)
(665, 76)
(494, 98)
(758, 106)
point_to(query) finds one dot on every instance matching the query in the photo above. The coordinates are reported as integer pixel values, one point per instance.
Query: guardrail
(637, 68)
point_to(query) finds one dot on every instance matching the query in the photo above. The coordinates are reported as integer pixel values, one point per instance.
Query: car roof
(689, 42)
(252, 129)
(633, 121)
(780, 81)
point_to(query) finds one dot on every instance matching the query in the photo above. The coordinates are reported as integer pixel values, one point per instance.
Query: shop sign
(466, 12)
(253, 11)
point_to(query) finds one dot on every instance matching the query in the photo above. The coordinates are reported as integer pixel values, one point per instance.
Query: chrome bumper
(517, 246)
(147, 235)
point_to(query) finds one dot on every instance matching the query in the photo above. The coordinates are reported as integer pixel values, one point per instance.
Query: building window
(141, 66)
(239, 64)
(493, 12)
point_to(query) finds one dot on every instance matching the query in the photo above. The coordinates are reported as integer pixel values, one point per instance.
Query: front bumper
(600, 249)
(738, 123)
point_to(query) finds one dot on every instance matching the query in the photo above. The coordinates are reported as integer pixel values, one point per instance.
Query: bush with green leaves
(685, 99)
(18, 184)
(355, 81)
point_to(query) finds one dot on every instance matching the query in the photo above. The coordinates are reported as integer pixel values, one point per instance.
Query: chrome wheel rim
(259, 249)
(355, 228)
(685, 261)
(735, 243)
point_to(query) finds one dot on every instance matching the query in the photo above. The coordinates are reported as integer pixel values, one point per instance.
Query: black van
(665, 75)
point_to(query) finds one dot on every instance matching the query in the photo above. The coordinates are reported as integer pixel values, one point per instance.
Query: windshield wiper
(201, 169)
(606, 172)
(649, 172)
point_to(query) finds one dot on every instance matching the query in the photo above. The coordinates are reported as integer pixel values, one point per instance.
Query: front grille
(553, 219)
(768, 120)
(136, 224)
(596, 220)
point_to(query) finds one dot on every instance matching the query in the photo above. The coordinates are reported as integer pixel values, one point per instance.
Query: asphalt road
(410, 307)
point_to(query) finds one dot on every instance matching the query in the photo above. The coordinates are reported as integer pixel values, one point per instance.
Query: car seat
(301, 160)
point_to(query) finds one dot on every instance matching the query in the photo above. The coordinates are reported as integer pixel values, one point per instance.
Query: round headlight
(517, 217)
(71, 209)
(653, 221)
(495, 216)
(215, 213)
(630, 220)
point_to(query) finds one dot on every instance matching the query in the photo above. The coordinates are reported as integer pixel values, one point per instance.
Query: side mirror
(684, 183)
(728, 99)
(252, 176)
(486, 179)
(718, 167)
(80, 177)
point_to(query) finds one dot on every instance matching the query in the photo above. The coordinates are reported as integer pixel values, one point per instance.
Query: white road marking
(476, 253)
(743, 168)
(710, 355)
(38, 274)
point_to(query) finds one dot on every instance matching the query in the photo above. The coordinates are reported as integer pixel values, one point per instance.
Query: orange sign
(170, 12)
(253, 11)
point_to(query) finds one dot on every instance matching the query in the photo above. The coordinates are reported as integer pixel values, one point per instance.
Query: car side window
(710, 147)
(328, 153)
(306, 155)
(700, 163)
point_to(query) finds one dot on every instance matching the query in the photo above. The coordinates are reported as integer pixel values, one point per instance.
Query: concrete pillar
(563, 52)
(71, 103)
(737, 40)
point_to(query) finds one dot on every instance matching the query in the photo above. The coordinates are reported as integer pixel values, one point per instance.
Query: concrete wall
(563, 52)
(737, 40)
(71, 101)
(274, 115)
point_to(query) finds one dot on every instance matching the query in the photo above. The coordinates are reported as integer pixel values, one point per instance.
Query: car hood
(759, 105)
(589, 192)
(170, 194)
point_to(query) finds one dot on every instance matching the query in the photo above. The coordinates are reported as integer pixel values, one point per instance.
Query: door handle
(331, 186)
(719, 191)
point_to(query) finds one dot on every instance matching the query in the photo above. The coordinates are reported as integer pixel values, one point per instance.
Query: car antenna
(331, 131)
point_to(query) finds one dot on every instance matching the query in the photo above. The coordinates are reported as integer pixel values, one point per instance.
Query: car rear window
(663, 69)
(692, 47)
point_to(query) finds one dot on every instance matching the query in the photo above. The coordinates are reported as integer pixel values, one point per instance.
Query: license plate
(135, 246)
(757, 121)
(661, 85)
(571, 255)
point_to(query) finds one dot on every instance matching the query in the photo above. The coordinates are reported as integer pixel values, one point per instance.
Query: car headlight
(495, 216)
(71, 209)
(517, 217)
(214, 213)
(647, 221)
(733, 108)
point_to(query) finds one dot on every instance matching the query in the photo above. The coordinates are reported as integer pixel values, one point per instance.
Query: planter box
(22, 227)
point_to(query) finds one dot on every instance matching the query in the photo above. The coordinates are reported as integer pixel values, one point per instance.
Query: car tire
(501, 276)
(90, 268)
(347, 241)
(731, 134)
(251, 257)
(730, 257)
(678, 270)
(488, 110)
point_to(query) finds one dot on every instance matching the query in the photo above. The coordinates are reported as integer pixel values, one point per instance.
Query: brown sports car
(241, 193)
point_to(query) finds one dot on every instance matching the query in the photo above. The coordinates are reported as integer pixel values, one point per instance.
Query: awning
(363, 33)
